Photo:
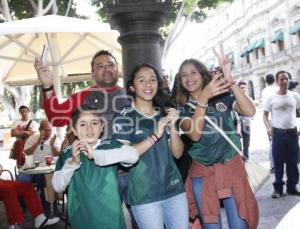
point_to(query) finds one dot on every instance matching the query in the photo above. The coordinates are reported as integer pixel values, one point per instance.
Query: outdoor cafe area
(57, 201)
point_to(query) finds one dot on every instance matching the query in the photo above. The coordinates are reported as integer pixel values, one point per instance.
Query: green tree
(179, 7)
(16, 9)
(182, 12)
(26, 9)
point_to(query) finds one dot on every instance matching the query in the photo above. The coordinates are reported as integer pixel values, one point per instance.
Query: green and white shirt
(155, 176)
(212, 146)
(93, 197)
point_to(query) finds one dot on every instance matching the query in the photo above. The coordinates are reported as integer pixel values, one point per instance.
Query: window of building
(263, 52)
(278, 39)
(256, 53)
(248, 59)
(280, 45)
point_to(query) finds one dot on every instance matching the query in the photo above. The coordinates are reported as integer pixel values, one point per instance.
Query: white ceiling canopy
(72, 42)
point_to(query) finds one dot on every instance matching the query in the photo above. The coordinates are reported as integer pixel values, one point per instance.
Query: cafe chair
(63, 209)
(9, 172)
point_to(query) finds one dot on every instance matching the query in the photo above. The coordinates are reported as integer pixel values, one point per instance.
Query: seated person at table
(93, 197)
(10, 191)
(43, 143)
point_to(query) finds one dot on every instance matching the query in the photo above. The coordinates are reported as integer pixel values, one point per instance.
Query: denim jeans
(171, 212)
(234, 220)
(123, 187)
(285, 151)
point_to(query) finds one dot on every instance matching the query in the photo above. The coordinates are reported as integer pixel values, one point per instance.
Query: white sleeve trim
(183, 120)
(62, 178)
(126, 155)
(125, 141)
(233, 105)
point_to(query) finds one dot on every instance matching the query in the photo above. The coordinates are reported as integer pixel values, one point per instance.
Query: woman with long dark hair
(155, 190)
(217, 172)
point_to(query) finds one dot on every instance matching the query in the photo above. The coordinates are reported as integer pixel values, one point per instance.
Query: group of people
(37, 142)
(121, 145)
(138, 128)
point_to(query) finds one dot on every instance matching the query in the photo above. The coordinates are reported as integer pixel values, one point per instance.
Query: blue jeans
(123, 187)
(171, 212)
(285, 151)
(234, 220)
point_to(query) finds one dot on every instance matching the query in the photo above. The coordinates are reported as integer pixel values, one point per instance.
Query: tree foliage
(24, 9)
(198, 8)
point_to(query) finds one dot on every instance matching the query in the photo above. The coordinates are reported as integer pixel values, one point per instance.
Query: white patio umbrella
(72, 44)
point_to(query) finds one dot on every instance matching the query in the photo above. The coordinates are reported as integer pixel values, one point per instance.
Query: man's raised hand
(44, 74)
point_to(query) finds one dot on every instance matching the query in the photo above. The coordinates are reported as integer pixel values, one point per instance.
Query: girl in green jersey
(155, 189)
(217, 172)
(83, 168)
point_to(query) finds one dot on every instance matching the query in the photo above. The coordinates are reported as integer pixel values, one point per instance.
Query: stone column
(138, 22)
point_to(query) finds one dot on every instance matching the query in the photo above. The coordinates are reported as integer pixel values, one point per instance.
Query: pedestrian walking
(283, 131)
(268, 91)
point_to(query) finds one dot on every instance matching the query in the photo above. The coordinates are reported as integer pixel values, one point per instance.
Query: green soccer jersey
(212, 146)
(155, 176)
(93, 197)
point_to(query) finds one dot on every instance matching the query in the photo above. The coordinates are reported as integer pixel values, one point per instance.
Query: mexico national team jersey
(212, 146)
(93, 197)
(155, 176)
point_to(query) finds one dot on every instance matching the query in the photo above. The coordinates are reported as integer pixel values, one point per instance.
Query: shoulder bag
(257, 175)
(16, 151)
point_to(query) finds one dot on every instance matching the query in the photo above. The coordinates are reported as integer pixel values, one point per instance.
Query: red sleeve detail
(59, 114)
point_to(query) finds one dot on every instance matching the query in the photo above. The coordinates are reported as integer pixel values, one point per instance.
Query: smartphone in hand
(45, 53)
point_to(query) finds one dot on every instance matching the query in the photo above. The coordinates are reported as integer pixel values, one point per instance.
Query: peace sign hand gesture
(224, 63)
(218, 85)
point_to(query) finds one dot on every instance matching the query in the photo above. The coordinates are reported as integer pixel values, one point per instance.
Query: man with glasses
(44, 143)
(106, 95)
(41, 144)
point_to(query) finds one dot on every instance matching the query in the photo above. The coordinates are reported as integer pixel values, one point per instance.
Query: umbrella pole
(56, 75)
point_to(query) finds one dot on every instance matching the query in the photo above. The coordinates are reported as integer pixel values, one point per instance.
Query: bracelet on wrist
(45, 89)
(203, 106)
(154, 135)
(231, 83)
(153, 138)
(150, 140)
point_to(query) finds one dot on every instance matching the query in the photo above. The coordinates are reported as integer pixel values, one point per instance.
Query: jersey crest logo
(221, 107)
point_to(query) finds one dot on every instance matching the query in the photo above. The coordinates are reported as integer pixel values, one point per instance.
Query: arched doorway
(251, 89)
(297, 79)
(262, 85)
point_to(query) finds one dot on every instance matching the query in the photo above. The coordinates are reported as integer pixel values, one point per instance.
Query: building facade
(260, 37)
